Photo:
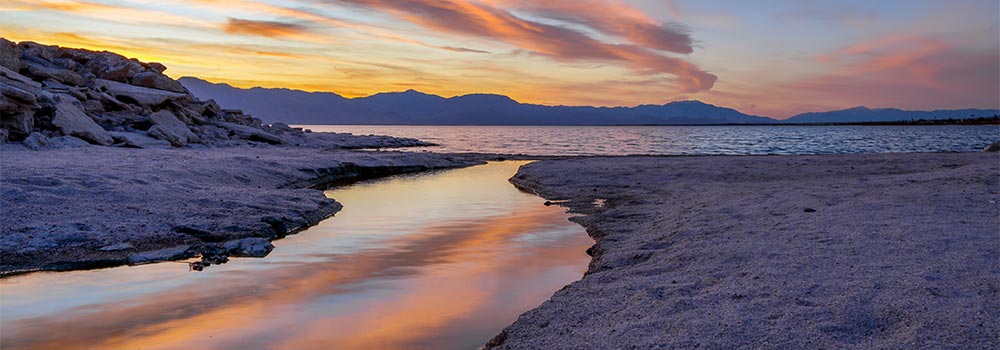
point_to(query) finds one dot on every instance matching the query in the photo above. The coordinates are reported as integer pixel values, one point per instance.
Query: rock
(156, 80)
(35, 50)
(252, 134)
(3, 135)
(156, 67)
(993, 147)
(62, 142)
(255, 247)
(167, 127)
(809, 210)
(137, 140)
(116, 247)
(164, 254)
(281, 126)
(44, 70)
(10, 55)
(112, 66)
(35, 141)
(19, 123)
(138, 95)
(72, 121)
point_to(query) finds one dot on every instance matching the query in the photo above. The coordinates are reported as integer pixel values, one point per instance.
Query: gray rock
(116, 247)
(63, 142)
(19, 123)
(112, 66)
(252, 134)
(71, 120)
(158, 255)
(156, 67)
(3, 135)
(31, 49)
(136, 94)
(10, 55)
(156, 80)
(138, 140)
(43, 71)
(255, 247)
(167, 127)
(281, 126)
(993, 147)
(35, 141)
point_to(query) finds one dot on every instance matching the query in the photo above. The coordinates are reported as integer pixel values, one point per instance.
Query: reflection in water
(441, 261)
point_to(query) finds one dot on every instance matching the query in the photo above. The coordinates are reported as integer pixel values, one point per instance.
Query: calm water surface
(435, 261)
(676, 140)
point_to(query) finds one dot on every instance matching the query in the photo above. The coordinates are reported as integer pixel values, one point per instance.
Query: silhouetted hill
(865, 114)
(416, 108)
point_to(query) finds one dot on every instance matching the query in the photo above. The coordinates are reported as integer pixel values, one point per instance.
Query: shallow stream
(441, 260)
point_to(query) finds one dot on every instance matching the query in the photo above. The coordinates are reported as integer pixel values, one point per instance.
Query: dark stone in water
(809, 210)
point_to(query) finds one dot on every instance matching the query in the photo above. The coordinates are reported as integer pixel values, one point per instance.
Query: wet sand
(891, 251)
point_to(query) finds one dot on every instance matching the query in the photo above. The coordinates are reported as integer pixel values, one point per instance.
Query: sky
(774, 58)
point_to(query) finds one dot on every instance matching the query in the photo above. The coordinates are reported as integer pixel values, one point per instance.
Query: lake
(688, 140)
(441, 260)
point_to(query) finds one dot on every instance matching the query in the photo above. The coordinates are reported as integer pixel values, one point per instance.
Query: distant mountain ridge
(412, 107)
(865, 114)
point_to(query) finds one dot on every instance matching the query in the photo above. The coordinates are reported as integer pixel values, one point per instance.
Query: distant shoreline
(995, 120)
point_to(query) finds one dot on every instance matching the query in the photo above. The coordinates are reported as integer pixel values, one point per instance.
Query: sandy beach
(892, 251)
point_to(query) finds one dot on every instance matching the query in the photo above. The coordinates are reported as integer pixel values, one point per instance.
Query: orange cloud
(271, 29)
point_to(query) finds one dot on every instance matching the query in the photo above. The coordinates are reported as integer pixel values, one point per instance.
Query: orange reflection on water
(433, 261)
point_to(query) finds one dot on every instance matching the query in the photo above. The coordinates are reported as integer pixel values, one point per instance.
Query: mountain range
(412, 107)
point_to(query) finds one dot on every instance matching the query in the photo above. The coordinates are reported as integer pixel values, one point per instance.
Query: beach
(866, 251)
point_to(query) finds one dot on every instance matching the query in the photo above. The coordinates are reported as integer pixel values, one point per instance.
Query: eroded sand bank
(893, 251)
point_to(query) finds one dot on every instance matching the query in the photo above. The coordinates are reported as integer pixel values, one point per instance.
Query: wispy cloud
(271, 29)
(487, 21)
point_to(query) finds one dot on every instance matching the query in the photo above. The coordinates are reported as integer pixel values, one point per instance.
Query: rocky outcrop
(88, 95)
(993, 147)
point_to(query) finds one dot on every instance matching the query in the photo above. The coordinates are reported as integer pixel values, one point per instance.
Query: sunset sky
(774, 58)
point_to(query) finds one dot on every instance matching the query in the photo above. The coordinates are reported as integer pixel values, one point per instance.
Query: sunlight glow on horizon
(775, 59)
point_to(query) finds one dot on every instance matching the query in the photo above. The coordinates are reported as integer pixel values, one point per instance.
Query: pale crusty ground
(105, 206)
(901, 252)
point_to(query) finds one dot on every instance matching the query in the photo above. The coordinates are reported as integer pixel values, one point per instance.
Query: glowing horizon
(776, 59)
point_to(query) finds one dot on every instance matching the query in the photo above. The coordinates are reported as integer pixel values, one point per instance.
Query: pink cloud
(561, 43)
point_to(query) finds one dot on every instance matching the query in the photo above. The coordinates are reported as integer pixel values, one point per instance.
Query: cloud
(614, 19)
(557, 42)
(270, 29)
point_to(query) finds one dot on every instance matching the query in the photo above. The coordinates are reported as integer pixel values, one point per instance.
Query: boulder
(156, 67)
(255, 247)
(993, 147)
(156, 80)
(71, 120)
(112, 66)
(252, 134)
(41, 71)
(281, 126)
(167, 127)
(19, 124)
(3, 135)
(35, 141)
(137, 140)
(10, 55)
(137, 95)
(32, 49)
(66, 142)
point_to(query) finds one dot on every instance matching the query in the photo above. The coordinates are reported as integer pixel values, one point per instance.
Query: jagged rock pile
(55, 97)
